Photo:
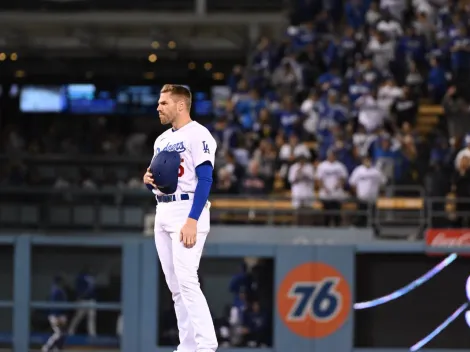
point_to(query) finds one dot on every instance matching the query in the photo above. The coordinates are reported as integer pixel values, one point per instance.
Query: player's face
(166, 108)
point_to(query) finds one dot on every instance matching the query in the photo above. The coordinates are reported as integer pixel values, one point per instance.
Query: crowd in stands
(344, 84)
(340, 89)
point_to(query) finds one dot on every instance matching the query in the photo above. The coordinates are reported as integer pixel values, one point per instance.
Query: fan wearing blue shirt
(382, 151)
(255, 322)
(249, 108)
(304, 36)
(371, 75)
(412, 46)
(330, 116)
(460, 52)
(289, 117)
(348, 47)
(86, 294)
(358, 87)
(331, 79)
(437, 81)
(355, 13)
(57, 317)
(332, 52)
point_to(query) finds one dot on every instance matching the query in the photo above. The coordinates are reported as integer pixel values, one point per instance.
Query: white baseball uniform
(180, 265)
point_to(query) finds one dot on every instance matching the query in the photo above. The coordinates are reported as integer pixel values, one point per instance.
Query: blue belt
(172, 198)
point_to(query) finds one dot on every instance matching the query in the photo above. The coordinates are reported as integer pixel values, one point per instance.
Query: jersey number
(181, 169)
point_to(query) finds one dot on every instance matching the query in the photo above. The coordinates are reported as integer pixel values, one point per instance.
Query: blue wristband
(203, 188)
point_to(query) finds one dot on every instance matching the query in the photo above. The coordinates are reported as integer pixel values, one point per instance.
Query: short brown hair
(180, 91)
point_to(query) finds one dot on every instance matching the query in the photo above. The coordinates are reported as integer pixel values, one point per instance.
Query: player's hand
(148, 178)
(188, 233)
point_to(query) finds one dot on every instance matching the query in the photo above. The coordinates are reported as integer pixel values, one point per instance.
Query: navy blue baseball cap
(164, 168)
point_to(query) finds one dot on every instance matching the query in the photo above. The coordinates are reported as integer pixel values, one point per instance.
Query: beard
(165, 119)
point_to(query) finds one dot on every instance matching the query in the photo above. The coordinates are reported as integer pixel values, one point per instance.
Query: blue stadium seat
(83, 215)
(133, 217)
(109, 216)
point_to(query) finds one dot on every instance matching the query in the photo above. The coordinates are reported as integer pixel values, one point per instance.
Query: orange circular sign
(314, 300)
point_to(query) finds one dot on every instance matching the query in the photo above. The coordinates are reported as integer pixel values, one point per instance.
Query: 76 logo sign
(314, 300)
(317, 300)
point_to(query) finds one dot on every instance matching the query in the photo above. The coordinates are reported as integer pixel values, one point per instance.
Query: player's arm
(203, 149)
(203, 188)
(203, 153)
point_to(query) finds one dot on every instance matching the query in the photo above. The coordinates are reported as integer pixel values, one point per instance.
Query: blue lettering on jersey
(205, 147)
(178, 147)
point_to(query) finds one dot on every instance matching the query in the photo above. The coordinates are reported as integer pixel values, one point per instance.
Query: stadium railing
(129, 210)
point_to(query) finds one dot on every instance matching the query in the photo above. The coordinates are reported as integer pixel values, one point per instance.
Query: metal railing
(132, 210)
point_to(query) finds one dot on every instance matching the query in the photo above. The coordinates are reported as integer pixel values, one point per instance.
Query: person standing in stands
(366, 181)
(331, 176)
(85, 291)
(57, 317)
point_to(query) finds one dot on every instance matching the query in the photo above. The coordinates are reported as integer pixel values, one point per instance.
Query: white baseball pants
(180, 266)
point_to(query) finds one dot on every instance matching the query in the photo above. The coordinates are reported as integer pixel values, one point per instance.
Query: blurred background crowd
(345, 82)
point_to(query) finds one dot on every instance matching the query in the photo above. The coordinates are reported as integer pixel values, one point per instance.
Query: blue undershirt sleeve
(203, 188)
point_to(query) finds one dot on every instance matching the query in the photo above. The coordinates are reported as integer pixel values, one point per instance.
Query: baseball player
(57, 318)
(180, 176)
(85, 289)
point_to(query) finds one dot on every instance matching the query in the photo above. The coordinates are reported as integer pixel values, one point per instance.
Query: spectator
(465, 152)
(287, 78)
(310, 108)
(414, 80)
(266, 156)
(290, 152)
(366, 181)
(355, 14)
(389, 26)
(437, 80)
(387, 156)
(253, 183)
(226, 183)
(439, 181)
(289, 116)
(331, 176)
(456, 112)
(405, 108)
(371, 115)
(362, 141)
(302, 180)
(388, 93)
(460, 59)
(225, 133)
(462, 192)
(382, 50)
(255, 326)
(373, 14)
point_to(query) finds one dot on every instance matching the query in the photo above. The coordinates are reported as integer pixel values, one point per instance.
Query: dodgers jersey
(195, 145)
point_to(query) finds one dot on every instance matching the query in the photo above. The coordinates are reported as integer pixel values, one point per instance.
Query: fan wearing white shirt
(309, 109)
(388, 93)
(371, 115)
(366, 181)
(465, 152)
(302, 181)
(331, 176)
(290, 152)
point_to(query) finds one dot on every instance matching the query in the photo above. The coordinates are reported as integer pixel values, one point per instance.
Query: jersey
(195, 145)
